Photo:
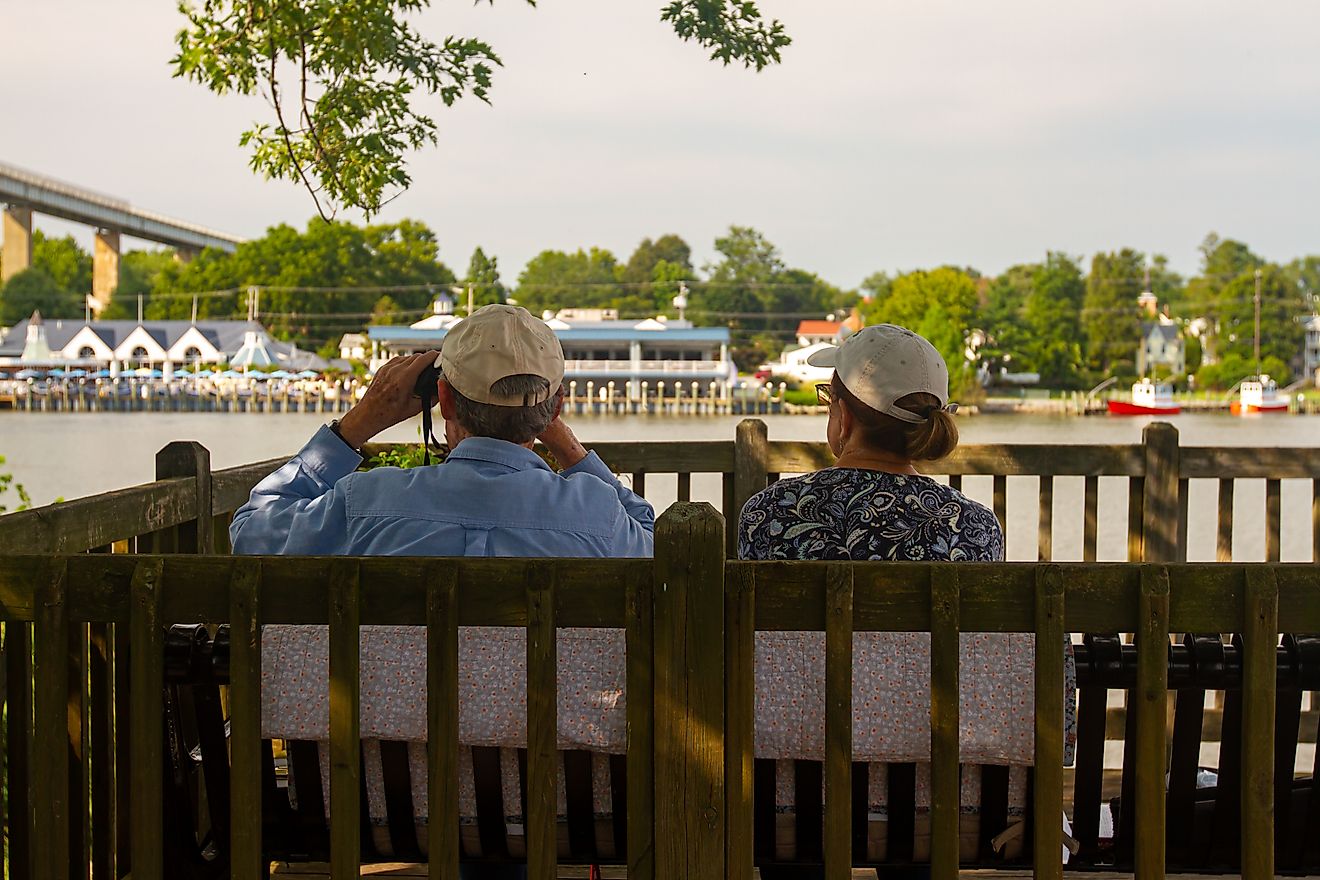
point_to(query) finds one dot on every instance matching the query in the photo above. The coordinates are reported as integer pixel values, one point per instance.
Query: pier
(93, 671)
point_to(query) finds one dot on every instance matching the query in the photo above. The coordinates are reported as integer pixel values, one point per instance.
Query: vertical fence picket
(1315, 521)
(639, 483)
(838, 720)
(1136, 495)
(1045, 537)
(1260, 634)
(101, 750)
(1159, 524)
(685, 487)
(1047, 832)
(640, 720)
(18, 740)
(751, 464)
(1152, 639)
(245, 719)
(147, 735)
(345, 686)
(739, 717)
(50, 745)
(1273, 517)
(1001, 500)
(1184, 503)
(122, 747)
(944, 722)
(1224, 526)
(542, 775)
(1090, 518)
(442, 721)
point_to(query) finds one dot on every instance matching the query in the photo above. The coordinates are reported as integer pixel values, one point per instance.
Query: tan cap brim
(826, 357)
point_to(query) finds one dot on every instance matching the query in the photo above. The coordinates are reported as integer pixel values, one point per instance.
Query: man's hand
(559, 439)
(388, 401)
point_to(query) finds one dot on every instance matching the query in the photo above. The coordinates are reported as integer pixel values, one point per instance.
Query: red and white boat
(1148, 399)
(1258, 395)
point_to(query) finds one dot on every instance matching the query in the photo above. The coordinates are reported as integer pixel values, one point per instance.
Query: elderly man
(500, 389)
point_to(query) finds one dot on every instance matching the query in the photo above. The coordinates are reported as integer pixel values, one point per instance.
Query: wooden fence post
(188, 458)
(751, 462)
(689, 693)
(1160, 494)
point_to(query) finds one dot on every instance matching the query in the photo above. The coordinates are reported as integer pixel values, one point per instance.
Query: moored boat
(1148, 399)
(1258, 395)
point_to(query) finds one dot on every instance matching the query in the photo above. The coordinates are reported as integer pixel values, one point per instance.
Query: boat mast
(1257, 299)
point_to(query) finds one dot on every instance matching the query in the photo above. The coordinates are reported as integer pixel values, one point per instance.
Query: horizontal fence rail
(1162, 480)
(91, 632)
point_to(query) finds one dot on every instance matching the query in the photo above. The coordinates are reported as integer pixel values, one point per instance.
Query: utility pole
(469, 299)
(1257, 298)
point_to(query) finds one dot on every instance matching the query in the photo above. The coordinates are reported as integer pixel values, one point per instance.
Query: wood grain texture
(542, 777)
(50, 746)
(740, 720)
(1090, 517)
(1047, 837)
(750, 465)
(442, 720)
(345, 686)
(1260, 634)
(230, 487)
(838, 720)
(245, 807)
(1224, 523)
(1273, 517)
(639, 634)
(1045, 537)
(945, 655)
(147, 731)
(1152, 640)
(1160, 499)
(191, 460)
(83, 523)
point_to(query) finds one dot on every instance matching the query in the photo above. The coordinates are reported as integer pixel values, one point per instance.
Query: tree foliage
(1110, 315)
(65, 261)
(33, 290)
(349, 83)
(483, 275)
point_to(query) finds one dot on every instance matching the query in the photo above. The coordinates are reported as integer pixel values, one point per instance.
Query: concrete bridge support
(105, 267)
(17, 253)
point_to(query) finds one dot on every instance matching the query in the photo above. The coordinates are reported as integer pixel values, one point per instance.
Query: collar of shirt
(502, 452)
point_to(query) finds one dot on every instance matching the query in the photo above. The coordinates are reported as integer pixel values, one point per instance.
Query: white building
(1311, 353)
(132, 344)
(1162, 345)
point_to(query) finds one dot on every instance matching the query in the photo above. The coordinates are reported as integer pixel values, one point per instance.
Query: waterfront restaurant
(598, 347)
(56, 342)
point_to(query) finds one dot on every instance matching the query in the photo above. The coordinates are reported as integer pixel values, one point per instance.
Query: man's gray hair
(516, 424)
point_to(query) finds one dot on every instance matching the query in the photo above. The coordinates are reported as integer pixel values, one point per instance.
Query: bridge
(26, 193)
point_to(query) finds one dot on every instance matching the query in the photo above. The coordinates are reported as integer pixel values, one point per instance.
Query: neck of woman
(865, 458)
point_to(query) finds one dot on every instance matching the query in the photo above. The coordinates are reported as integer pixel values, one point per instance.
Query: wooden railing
(85, 741)
(1159, 473)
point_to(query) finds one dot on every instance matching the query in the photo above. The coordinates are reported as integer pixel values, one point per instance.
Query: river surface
(67, 455)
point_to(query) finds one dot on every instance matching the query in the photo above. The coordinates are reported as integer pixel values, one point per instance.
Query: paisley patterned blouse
(851, 513)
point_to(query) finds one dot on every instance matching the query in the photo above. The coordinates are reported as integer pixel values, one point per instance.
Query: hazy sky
(894, 135)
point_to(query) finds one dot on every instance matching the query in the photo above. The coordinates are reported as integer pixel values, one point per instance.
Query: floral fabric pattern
(850, 513)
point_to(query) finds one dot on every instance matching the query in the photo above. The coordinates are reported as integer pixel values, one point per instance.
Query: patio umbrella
(308, 374)
(76, 374)
(26, 374)
(102, 374)
(230, 374)
(279, 374)
(56, 373)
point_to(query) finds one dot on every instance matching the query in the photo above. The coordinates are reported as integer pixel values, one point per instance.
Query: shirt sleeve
(301, 508)
(636, 533)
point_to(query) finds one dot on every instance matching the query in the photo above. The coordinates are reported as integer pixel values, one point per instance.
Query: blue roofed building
(598, 347)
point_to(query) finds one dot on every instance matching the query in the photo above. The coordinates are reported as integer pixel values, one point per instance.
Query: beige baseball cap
(884, 363)
(495, 342)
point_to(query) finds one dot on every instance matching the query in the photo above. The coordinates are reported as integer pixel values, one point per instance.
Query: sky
(894, 135)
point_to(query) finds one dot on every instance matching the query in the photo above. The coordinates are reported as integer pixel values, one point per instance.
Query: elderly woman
(889, 409)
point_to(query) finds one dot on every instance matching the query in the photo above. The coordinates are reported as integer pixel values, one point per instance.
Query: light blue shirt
(489, 498)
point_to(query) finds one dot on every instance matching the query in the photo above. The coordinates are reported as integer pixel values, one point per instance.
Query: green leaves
(345, 79)
(6, 484)
(732, 30)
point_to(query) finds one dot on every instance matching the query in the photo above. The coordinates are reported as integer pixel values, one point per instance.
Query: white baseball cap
(882, 364)
(495, 342)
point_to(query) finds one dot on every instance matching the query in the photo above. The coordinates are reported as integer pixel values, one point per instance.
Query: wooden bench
(1203, 823)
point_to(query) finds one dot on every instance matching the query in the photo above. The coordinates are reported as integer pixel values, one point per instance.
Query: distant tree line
(1073, 325)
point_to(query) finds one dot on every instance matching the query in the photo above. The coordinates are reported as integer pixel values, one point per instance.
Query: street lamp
(680, 299)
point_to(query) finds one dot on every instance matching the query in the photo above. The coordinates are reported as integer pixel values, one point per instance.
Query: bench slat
(944, 727)
(1047, 831)
(442, 721)
(1224, 530)
(50, 746)
(345, 760)
(147, 746)
(245, 719)
(1259, 679)
(1152, 640)
(542, 775)
(838, 721)
(739, 731)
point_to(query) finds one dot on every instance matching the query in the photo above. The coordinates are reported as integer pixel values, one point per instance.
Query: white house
(354, 347)
(1161, 346)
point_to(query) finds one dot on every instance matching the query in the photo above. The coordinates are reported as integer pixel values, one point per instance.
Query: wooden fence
(85, 779)
(84, 768)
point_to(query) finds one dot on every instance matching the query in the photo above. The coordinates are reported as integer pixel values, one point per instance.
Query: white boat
(1258, 394)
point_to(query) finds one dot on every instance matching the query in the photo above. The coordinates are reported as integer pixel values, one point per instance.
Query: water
(74, 454)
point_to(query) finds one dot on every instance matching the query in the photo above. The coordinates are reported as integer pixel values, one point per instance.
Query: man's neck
(456, 434)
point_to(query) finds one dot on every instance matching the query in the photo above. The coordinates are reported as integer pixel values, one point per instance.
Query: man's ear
(445, 397)
(559, 403)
